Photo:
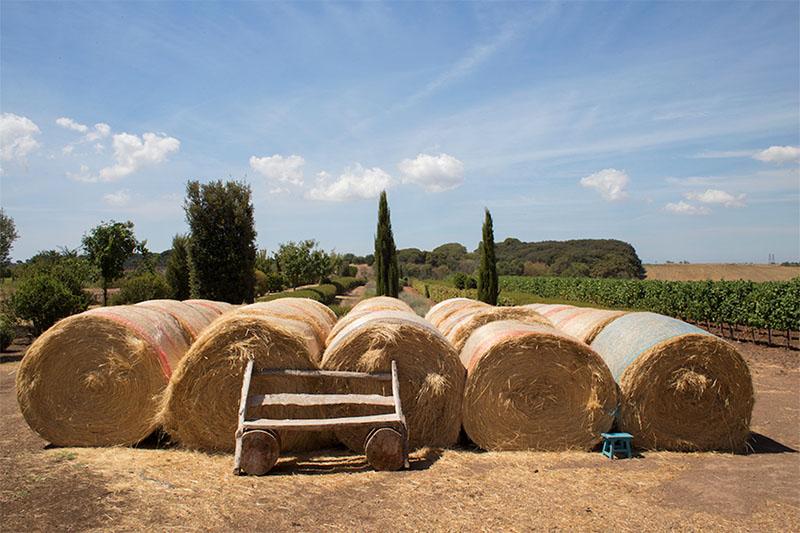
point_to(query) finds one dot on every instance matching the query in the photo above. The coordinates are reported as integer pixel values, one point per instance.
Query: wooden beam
(248, 374)
(322, 423)
(319, 399)
(380, 376)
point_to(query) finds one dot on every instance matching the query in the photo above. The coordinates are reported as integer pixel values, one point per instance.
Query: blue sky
(673, 126)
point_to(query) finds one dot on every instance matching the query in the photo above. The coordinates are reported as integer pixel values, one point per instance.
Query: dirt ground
(720, 271)
(463, 489)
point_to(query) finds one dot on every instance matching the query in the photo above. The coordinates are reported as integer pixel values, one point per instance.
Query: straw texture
(202, 400)
(95, 379)
(217, 307)
(460, 325)
(318, 316)
(367, 307)
(531, 387)
(192, 319)
(583, 323)
(431, 376)
(445, 308)
(682, 388)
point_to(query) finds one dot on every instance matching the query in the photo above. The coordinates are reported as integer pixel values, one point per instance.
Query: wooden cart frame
(258, 441)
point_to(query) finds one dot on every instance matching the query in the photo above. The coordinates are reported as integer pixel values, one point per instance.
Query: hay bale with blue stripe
(682, 388)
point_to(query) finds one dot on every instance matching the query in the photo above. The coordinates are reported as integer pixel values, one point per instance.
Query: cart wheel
(384, 449)
(260, 450)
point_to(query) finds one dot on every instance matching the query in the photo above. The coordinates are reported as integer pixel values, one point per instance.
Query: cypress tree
(387, 270)
(488, 288)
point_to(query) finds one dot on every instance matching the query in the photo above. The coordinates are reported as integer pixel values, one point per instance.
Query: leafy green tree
(43, 300)
(222, 249)
(387, 270)
(8, 234)
(264, 262)
(108, 246)
(141, 287)
(177, 272)
(303, 262)
(488, 282)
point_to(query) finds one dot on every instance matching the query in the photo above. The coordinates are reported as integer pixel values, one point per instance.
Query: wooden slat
(248, 374)
(398, 410)
(319, 399)
(380, 376)
(322, 423)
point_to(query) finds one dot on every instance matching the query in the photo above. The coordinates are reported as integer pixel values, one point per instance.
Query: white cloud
(609, 182)
(117, 199)
(131, 152)
(683, 208)
(278, 190)
(435, 173)
(99, 148)
(70, 124)
(779, 154)
(283, 169)
(355, 183)
(82, 175)
(17, 137)
(68, 149)
(716, 196)
(101, 131)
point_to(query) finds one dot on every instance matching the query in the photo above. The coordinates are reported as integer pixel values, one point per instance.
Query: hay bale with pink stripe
(584, 323)
(460, 325)
(96, 378)
(531, 387)
(217, 307)
(431, 376)
(200, 409)
(192, 319)
(366, 308)
(317, 315)
(441, 311)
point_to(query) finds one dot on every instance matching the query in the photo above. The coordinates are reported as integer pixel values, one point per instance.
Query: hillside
(598, 258)
(721, 271)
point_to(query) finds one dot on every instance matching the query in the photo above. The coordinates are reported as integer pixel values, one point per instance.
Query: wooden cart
(258, 442)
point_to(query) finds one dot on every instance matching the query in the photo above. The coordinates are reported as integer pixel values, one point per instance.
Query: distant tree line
(596, 258)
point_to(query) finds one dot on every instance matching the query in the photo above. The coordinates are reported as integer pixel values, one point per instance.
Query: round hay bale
(95, 379)
(468, 320)
(584, 323)
(546, 310)
(317, 315)
(431, 376)
(531, 387)
(381, 303)
(681, 387)
(445, 308)
(193, 319)
(217, 307)
(201, 404)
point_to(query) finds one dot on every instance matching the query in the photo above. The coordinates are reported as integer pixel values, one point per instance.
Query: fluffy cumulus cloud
(117, 199)
(779, 154)
(279, 168)
(609, 182)
(435, 173)
(716, 196)
(68, 123)
(17, 137)
(684, 208)
(132, 152)
(354, 183)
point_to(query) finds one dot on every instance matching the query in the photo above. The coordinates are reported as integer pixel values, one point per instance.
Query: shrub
(346, 284)
(148, 286)
(177, 273)
(471, 283)
(43, 299)
(261, 283)
(6, 331)
(459, 280)
(275, 282)
(348, 271)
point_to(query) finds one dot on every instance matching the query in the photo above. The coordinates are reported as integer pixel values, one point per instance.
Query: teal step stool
(614, 443)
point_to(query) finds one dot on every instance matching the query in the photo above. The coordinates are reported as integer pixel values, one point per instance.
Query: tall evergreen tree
(488, 283)
(387, 270)
(222, 244)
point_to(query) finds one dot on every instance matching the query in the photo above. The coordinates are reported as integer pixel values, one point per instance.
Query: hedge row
(324, 293)
(773, 304)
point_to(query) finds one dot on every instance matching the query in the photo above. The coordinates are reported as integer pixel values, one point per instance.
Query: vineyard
(766, 305)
